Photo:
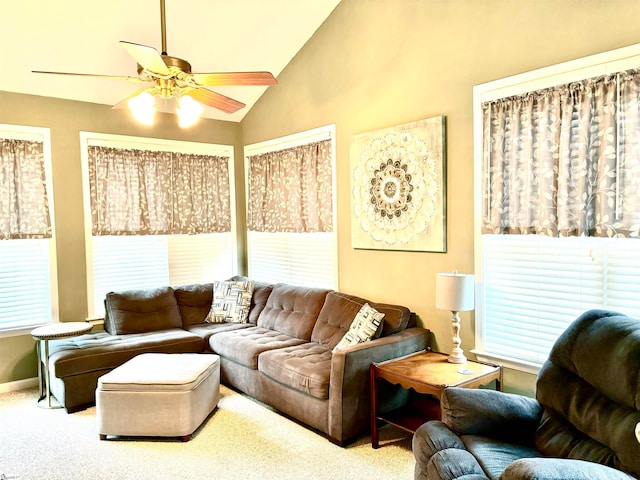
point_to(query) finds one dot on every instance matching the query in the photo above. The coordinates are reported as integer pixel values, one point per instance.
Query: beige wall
(379, 63)
(372, 64)
(66, 119)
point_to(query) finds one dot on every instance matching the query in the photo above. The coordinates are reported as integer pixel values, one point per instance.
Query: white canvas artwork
(398, 197)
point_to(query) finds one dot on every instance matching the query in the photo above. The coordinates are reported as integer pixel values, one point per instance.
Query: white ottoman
(158, 395)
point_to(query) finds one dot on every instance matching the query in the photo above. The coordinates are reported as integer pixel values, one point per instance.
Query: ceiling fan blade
(123, 103)
(235, 78)
(114, 77)
(215, 100)
(147, 57)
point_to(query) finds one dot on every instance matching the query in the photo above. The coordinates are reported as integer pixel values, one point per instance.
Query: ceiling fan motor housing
(170, 61)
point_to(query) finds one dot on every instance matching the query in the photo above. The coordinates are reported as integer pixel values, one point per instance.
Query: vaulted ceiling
(82, 36)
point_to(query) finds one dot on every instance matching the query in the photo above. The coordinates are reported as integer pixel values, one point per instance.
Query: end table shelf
(428, 373)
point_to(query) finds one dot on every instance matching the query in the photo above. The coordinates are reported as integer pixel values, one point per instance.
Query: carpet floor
(242, 439)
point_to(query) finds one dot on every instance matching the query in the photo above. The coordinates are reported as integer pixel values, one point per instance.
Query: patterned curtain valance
(141, 192)
(24, 206)
(564, 161)
(291, 190)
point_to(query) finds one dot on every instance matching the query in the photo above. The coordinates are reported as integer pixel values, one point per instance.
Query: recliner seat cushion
(305, 367)
(494, 456)
(245, 345)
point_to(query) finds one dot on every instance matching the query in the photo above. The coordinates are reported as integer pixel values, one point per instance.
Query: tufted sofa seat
(283, 356)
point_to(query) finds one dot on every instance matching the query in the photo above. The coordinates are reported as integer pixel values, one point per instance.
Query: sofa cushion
(363, 328)
(303, 367)
(94, 352)
(293, 310)
(194, 302)
(340, 309)
(337, 314)
(231, 301)
(261, 292)
(206, 330)
(396, 317)
(244, 346)
(139, 311)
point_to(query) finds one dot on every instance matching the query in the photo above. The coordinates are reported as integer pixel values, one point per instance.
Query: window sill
(506, 362)
(19, 331)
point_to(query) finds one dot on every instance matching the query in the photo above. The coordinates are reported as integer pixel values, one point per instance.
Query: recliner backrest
(590, 391)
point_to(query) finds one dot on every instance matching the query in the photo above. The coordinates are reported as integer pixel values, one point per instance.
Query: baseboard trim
(18, 385)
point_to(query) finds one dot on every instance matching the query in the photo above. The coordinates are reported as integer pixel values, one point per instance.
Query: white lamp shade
(454, 291)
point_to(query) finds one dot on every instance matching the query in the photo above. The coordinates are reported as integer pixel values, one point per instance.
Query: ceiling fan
(172, 79)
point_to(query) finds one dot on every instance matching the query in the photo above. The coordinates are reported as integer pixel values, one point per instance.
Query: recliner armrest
(504, 416)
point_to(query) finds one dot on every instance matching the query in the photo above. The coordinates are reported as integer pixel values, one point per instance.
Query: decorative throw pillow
(231, 301)
(363, 327)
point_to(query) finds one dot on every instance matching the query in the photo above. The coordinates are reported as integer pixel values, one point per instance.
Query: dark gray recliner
(580, 426)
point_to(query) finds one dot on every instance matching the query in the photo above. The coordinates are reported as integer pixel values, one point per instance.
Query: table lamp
(455, 292)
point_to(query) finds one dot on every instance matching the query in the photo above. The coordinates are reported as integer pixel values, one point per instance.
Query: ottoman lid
(160, 372)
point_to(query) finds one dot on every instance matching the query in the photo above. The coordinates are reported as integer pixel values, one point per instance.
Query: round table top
(60, 330)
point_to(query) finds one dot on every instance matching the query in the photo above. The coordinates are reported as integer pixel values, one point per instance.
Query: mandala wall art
(398, 187)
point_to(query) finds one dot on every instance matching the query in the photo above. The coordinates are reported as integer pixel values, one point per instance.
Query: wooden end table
(53, 331)
(428, 373)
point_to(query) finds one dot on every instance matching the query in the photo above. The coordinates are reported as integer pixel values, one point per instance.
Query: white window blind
(129, 262)
(25, 283)
(535, 286)
(293, 258)
(307, 259)
(148, 261)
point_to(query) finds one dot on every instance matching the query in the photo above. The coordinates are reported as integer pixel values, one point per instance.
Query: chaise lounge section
(284, 355)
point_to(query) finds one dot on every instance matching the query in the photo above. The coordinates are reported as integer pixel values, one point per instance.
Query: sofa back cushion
(340, 309)
(194, 302)
(292, 310)
(139, 311)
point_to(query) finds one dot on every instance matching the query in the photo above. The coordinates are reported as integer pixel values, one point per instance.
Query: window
(291, 234)
(28, 288)
(557, 156)
(157, 213)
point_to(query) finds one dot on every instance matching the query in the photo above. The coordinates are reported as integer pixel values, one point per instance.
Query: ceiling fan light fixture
(143, 107)
(188, 111)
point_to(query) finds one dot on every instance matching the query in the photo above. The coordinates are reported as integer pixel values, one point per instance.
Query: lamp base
(457, 356)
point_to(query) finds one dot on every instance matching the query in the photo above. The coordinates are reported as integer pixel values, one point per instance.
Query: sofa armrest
(503, 416)
(553, 468)
(349, 392)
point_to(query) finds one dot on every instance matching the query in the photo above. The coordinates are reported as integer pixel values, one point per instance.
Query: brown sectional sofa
(282, 357)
